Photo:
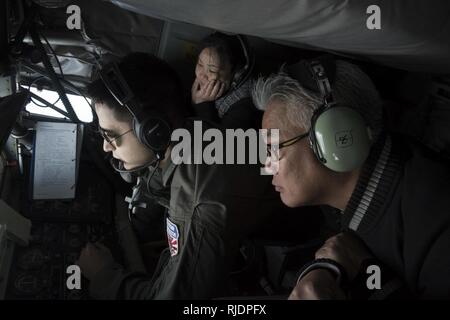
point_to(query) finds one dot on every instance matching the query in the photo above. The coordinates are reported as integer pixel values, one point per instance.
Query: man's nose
(271, 166)
(107, 147)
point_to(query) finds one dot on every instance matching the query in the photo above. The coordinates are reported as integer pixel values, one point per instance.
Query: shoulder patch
(173, 236)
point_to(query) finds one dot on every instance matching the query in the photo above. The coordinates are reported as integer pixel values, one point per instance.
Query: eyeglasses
(110, 140)
(276, 156)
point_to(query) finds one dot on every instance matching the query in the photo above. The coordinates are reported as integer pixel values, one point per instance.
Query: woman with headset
(221, 89)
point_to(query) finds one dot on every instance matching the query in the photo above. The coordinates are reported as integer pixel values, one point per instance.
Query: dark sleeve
(388, 286)
(242, 114)
(427, 221)
(197, 271)
(434, 277)
(206, 110)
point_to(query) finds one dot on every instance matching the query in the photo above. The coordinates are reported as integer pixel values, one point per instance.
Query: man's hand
(347, 250)
(318, 284)
(209, 92)
(93, 258)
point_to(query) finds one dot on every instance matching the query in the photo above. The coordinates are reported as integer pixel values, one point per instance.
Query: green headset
(339, 135)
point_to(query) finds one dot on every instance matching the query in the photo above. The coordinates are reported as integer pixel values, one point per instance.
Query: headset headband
(322, 81)
(245, 51)
(118, 87)
(244, 72)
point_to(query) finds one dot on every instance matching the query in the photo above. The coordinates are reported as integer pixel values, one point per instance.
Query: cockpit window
(79, 104)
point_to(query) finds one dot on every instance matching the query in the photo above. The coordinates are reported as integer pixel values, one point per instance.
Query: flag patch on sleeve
(173, 236)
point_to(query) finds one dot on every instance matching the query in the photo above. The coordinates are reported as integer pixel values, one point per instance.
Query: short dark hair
(228, 47)
(154, 83)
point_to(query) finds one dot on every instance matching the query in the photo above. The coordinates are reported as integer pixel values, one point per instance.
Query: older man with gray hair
(393, 198)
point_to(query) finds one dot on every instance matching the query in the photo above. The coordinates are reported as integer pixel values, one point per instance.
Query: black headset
(243, 72)
(152, 128)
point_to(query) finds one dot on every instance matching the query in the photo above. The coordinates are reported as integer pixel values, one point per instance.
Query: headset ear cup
(312, 135)
(342, 138)
(315, 146)
(155, 133)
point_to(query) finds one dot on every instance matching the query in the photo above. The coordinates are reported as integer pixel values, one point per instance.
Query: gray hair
(351, 87)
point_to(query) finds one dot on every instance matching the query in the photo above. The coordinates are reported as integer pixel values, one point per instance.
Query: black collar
(373, 192)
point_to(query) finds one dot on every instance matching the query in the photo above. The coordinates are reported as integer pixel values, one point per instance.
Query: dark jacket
(401, 210)
(242, 114)
(210, 208)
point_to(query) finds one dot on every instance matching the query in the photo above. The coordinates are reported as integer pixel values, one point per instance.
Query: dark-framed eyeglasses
(109, 139)
(275, 155)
